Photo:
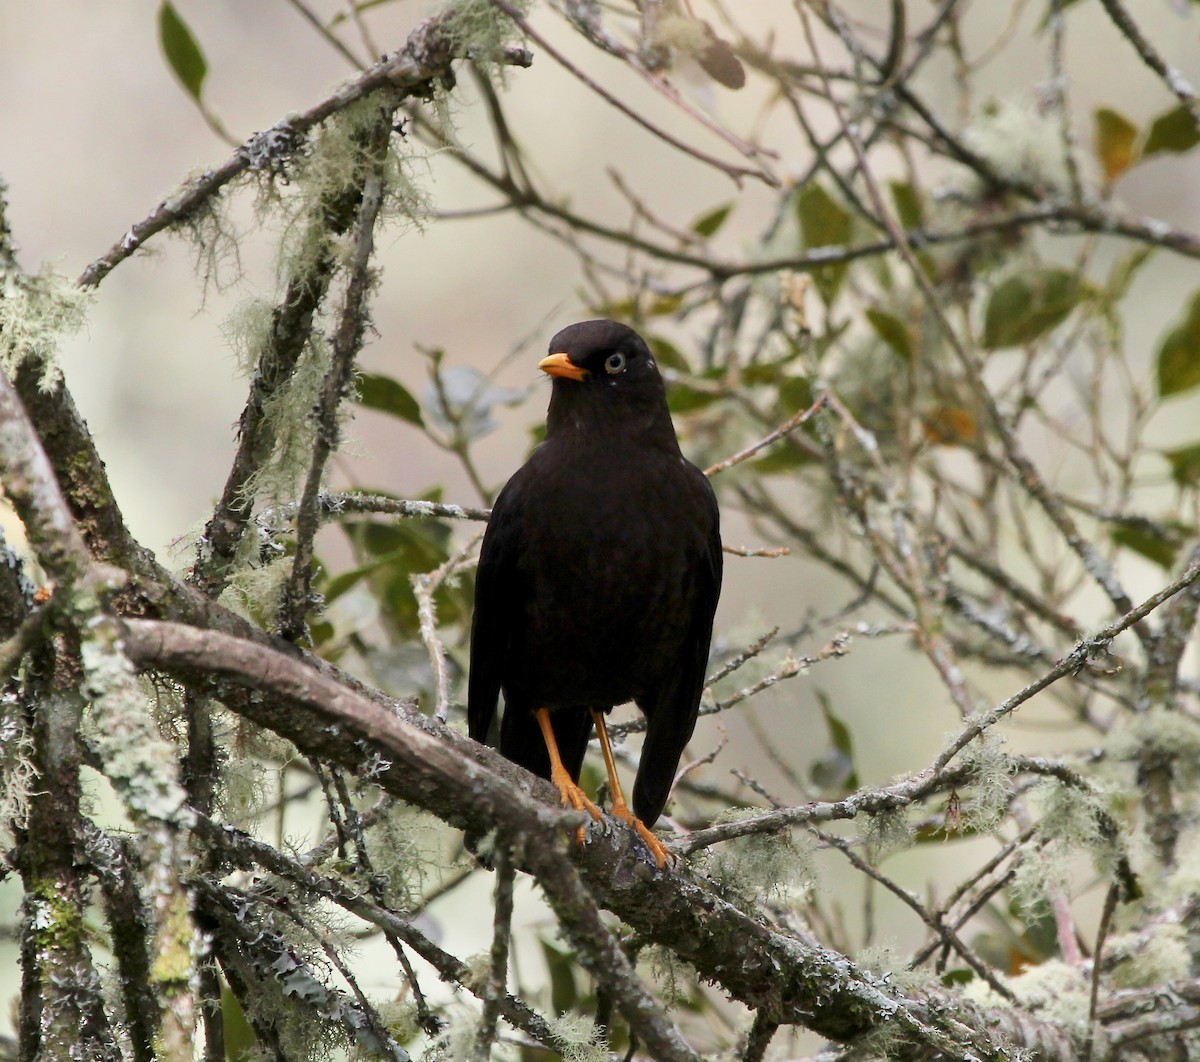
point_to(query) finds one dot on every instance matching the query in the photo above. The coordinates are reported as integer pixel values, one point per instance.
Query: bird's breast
(610, 557)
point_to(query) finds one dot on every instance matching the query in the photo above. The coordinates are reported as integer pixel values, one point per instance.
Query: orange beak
(561, 365)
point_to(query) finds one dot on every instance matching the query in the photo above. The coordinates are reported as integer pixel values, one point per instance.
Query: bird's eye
(614, 363)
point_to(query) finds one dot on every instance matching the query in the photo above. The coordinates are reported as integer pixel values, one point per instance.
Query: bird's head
(604, 378)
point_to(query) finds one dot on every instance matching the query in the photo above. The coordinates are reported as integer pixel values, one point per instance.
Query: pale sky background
(94, 130)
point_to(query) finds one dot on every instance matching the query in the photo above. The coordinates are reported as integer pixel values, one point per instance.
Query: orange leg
(620, 809)
(572, 795)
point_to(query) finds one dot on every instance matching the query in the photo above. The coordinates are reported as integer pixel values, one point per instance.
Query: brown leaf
(720, 63)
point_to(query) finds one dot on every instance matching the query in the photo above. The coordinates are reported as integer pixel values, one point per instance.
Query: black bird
(598, 579)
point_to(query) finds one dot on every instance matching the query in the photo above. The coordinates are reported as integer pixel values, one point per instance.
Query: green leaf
(909, 208)
(1027, 305)
(683, 398)
(708, 224)
(824, 222)
(637, 307)
(1124, 270)
(894, 332)
(795, 394)
(1116, 136)
(182, 52)
(390, 552)
(1185, 465)
(388, 396)
(240, 1041)
(667, 354)
(560, 967)
(1174, 131)
(835, 771)
(1179, 354)
(336, 586)
(764, 372)
(1157, 548)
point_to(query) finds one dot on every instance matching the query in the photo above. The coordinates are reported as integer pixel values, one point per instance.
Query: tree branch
(419, 761)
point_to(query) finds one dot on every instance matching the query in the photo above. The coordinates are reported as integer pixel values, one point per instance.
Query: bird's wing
(672, 715)
(496, 606)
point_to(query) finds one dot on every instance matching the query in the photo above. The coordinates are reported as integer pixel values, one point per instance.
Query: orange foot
(620, 810)
(560, 777)
(574, 797)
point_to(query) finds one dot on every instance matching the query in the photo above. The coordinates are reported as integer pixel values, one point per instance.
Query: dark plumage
(599, 576)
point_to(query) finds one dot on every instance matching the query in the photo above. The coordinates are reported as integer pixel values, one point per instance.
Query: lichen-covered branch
(420, 762)
(426, 57)
(345, 345)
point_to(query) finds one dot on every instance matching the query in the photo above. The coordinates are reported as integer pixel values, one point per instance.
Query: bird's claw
(574, 797)
(662, 856)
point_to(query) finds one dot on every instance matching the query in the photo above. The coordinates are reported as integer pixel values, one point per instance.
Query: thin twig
(425, 56)
(790, 425)
(1110, 907)
(735, 173)
(425, 585)
(1149, 55)
(944, 932)
(498, 973)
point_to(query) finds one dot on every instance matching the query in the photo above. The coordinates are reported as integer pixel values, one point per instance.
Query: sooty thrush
(598, 579)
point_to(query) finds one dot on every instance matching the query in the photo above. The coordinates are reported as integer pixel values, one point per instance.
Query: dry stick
(273, 959)
(1175, 80)
(927, 780)
(246, 852)
(114, 862)
(739, 659)
(1094, 563)
(426, 764)
(426, 55)
(283, 343)
(790, 425)
(758, 1039)
(735, 173)
(526, 200)
(81, 584)
(279, 349)
(746, 551)
(1110, 906)
(1171, 1008)
(32, 488)
(960, 920)
(60, 999)
(323, 30)
(357, 825)
(501, 937)
(896, 555)
(595, 33)
(947, 935)
(1058, 86)
(425, 585)
(374, 1023)
(1076, 659)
